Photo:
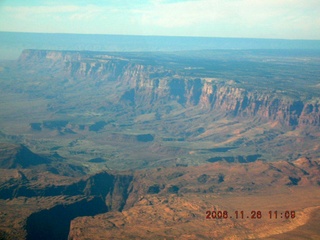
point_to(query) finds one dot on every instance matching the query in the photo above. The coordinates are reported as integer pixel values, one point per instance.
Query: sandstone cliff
(147, 84)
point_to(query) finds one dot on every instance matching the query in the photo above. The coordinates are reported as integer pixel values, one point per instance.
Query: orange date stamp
(250, 214)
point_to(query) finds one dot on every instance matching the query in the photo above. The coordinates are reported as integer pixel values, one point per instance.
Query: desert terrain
(219, 144)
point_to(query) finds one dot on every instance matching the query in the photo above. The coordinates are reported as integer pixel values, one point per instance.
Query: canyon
(178, 104)
(141, 145)
(148, 84)
(174, 201)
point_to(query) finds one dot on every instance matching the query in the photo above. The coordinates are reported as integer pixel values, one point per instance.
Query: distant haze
(12, 44)
(279, 19)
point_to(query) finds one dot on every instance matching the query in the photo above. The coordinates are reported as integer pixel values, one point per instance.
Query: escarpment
(112, 189)
(145, 84)
(234, 101)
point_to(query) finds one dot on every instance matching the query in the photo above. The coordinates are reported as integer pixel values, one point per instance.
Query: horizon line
(168, 36)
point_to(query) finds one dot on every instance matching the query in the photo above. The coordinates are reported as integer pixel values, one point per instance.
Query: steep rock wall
(234, 101)
(113, 189)
(148, 84)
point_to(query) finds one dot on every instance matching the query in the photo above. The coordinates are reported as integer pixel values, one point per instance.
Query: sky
(282, 19)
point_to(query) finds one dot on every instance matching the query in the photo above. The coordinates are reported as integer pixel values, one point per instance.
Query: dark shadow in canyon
(54, 223)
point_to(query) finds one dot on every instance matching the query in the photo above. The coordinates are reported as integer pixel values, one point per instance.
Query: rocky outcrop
(19, 156)
(113, 189)
(145, 84)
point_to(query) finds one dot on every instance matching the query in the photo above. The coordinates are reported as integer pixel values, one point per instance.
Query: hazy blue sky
(291, 19)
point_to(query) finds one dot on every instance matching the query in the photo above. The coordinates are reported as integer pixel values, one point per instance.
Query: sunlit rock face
(148, 84)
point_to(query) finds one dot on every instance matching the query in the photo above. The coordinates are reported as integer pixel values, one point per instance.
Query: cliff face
(113, 189)
(215, 95)
(148, 84)
(234, 101)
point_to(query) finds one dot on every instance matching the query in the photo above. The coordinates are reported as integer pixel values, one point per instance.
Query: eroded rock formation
(147, 84)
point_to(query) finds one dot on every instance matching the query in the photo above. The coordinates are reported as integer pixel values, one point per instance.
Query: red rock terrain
(199, 135)
(160, 203)
(172, 203)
